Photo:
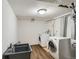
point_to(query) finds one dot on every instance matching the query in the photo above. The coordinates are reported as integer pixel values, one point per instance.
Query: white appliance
(44, 39)
(62, 45)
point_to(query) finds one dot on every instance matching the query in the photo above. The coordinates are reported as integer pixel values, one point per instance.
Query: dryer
(44, 39)
(62, 46)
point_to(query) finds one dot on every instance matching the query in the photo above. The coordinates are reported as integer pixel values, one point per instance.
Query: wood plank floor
(39, 53)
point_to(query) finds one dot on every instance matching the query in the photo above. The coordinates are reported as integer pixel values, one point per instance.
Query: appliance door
(52, 46)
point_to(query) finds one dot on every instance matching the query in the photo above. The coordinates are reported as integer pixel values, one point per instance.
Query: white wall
(50, 26)
(9, 25)
(28, 30)
(70, 27)
(57, 26)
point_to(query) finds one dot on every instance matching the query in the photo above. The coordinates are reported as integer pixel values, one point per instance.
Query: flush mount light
(42, 11)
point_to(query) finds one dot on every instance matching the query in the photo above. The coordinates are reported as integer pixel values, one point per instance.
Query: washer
(59, 43)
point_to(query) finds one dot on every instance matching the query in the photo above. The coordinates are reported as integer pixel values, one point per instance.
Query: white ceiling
(30, 7)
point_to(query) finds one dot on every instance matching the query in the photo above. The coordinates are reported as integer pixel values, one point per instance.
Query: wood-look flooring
(39, 53)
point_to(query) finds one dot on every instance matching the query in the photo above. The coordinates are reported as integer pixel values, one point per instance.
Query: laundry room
(39, 29)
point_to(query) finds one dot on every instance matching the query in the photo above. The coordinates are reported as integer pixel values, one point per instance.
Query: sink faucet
(12, 47)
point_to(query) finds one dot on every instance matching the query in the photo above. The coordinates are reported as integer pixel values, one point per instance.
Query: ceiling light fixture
(42, 11)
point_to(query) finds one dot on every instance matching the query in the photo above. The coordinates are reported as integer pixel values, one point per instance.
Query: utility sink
(20, 51)
(21, 47)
